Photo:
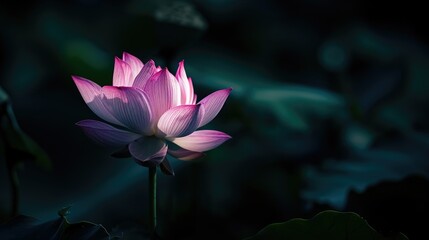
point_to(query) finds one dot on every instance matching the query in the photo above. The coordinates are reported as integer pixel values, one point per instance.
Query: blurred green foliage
(328, 98)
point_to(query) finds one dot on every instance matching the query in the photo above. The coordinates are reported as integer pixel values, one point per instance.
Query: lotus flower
(151, 112)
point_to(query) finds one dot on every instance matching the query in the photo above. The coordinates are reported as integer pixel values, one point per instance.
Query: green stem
(152, 199)
(14, 188)
(6, 109)
(8, 120)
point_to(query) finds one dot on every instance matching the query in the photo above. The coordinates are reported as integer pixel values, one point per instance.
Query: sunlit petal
(92, 95)
(134, 63)
(212, 105)
(163, 91)
(202, 140)
(122, 74)
(194, 96)
(145, 74)
(179, 121)
(183, 154)
(186, 88)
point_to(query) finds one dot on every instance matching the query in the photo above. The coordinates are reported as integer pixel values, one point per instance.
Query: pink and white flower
(148, 108)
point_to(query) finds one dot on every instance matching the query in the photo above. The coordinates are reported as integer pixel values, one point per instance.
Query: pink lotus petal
(194, 96)
(163, 91)
(187, 90)
(212, 105)
(148, 149)
(105, 134)
(183, 154)
(191, 94)
(92, 95)
(146, 72)
(130, 106)
(135, 63)
(122, 74)
(203, 140)
(194, 100)
(179, 121)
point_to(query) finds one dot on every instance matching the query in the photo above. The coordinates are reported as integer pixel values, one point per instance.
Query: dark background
(329, 110)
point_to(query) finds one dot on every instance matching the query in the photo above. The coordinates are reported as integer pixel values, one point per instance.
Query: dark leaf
(85, 230)
(330, 225)
(407, 197)
(391, 157)
(25, 227)
(18, 145)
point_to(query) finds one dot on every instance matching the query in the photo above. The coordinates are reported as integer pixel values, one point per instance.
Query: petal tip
(77, 79)
(166, 72)
(125, 54)
(83, 123)
(120, 61)
(224, 136)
